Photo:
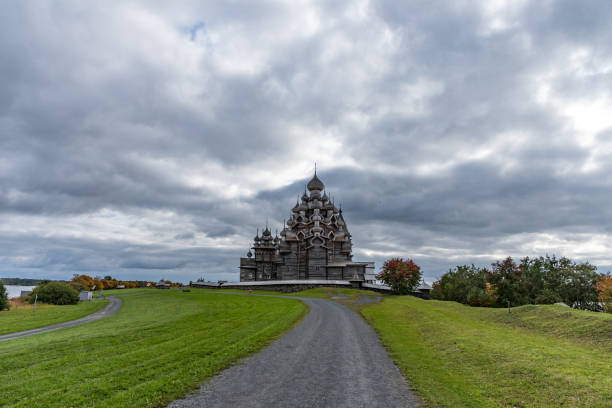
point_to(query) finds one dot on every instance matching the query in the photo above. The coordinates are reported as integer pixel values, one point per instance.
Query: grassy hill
(536, 356)
(158, 347)
(23, 316)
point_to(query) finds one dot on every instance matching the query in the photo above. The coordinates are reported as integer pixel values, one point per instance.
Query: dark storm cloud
(143, 138)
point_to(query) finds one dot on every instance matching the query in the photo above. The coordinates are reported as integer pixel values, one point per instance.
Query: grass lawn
(323, 292)
(334, 292)
(459, 356)
(23, 317)
(160, 346)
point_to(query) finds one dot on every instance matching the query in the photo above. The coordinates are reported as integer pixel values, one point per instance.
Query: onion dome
(249, 254)
(324, 198)
(266, 233)
(256, 239)
(295, 208)
(315, 183)
(305, 196)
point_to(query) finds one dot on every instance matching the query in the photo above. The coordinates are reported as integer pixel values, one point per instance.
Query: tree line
(21, 281)
(541, 280)
(86, 282)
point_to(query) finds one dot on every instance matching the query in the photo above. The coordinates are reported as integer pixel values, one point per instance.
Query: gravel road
(331, 359)
(113, 306)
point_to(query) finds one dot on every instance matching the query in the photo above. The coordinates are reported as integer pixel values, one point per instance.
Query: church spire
(315, 184)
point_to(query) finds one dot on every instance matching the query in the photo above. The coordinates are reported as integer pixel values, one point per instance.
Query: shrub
(403, 276)
(4, 303)
(56, 293)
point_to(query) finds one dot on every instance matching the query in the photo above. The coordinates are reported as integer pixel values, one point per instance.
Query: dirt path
(333, 358)
(113, 306)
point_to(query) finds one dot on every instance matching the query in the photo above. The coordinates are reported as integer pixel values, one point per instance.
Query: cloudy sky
(149, 140)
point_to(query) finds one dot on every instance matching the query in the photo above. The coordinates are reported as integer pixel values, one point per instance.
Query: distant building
(25, 293)
(120, 286)
(314, 244)
(85, 295)
(162, 285)
(423, 290)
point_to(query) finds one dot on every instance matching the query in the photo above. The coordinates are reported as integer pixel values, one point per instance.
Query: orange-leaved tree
(403, 276)
(604, 292)
(85, 281)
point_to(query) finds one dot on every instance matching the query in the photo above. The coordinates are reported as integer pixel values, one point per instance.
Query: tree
(4, 303)
(604, 292)
(465, 284)
(110, 283)
(99, 284)
(510, 283)
(56, 293)
(82, 282)
(403, 276)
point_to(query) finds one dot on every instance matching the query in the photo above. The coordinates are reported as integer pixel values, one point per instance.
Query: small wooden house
(85, 295)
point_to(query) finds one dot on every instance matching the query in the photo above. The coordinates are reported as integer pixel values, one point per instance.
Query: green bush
(547, 297)
(4, 304)
(56, 293)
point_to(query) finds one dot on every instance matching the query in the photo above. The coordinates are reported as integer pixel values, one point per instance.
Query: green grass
(23, 317)
(458, 356)
(333, 292)
(160, 346)
(323, 292)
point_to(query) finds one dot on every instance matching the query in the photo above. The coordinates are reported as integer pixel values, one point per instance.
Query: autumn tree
(110, 283)
(403, 276)
(604, 292)
(82, 282)
(99, 284)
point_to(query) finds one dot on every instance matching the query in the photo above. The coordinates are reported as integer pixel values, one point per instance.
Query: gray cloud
(140, 139)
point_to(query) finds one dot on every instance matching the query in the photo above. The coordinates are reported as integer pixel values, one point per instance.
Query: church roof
(315, 183)
(424, 286)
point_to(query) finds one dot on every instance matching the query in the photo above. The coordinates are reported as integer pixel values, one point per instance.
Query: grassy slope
(158, 347)
(23, 317)
(538, 356)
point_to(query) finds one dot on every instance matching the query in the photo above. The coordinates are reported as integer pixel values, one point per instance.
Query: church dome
(315, 183)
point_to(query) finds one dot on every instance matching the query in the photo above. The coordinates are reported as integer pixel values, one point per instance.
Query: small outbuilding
(25, 293)
(85, 295)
